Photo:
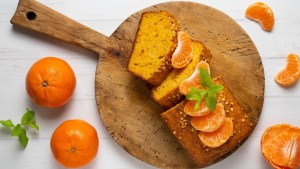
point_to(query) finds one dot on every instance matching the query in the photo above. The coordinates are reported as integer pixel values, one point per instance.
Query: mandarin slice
(194, 79)
(183, 52)
(275, 166)
(210, 122)
(261, 13)
(290, 74)
(218, 137)
(280, 145)
(202, 110)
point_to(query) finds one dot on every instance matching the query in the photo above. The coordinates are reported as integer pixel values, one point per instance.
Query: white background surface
(20, 48)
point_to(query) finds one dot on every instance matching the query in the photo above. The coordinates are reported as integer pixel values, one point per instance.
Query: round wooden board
(126, 108)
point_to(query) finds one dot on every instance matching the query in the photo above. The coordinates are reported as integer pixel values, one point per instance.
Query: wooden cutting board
(124, 103)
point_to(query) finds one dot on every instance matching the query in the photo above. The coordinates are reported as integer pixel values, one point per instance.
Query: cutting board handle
(38, 17)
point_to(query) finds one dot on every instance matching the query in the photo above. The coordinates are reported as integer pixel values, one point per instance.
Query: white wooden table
(20, 48)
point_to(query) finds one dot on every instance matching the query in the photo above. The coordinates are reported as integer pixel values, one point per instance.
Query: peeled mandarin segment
(183, 52)
(290, 74)
(194, 79)
(277, 166)
(280, 145)
(210, 122)
(262, 14)
(218, 137)
(283, 152)
(202, 110)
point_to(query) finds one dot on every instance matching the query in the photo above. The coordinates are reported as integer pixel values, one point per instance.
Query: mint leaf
(28, 117)
(211, 101)
(216, 88)
(197, 105)
(195, 94)
(17, 130)
(209, 93)
(34, 125)
(205, 78)
(7, 123)
(23, 138)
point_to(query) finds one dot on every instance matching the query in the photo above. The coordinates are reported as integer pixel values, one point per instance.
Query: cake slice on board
(180, 125)
(155, 42)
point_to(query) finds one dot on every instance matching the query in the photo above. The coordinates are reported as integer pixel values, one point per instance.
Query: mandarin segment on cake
(167, 93)
(155, 42)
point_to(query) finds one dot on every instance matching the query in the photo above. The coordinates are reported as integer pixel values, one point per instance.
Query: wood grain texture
(124, 103)
(54, 24)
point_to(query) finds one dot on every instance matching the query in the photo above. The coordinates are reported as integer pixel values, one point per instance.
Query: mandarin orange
(74, 143)
(280, 145)
(50, 82)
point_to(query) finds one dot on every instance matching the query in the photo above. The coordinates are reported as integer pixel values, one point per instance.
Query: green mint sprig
(28, 119)
(209, 92)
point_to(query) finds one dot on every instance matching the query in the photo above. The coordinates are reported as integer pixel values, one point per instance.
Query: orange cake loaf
(167, 93)
(180, 125)
(155, 42)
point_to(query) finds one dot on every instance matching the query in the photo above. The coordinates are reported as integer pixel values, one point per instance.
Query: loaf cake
(167, 93)
(180, 125)
(155, 42)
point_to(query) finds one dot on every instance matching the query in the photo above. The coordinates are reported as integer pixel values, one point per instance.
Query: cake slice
(155, 42)
(167, 93)
(180, 125)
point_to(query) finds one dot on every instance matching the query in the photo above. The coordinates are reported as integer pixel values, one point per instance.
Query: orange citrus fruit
(74, 143)
(210, 122)
(280, 145)
(218, 137)
(290, 74)
(202, 110)
(261, 13)
(50, 82)
(194, 79)
(183, 52)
